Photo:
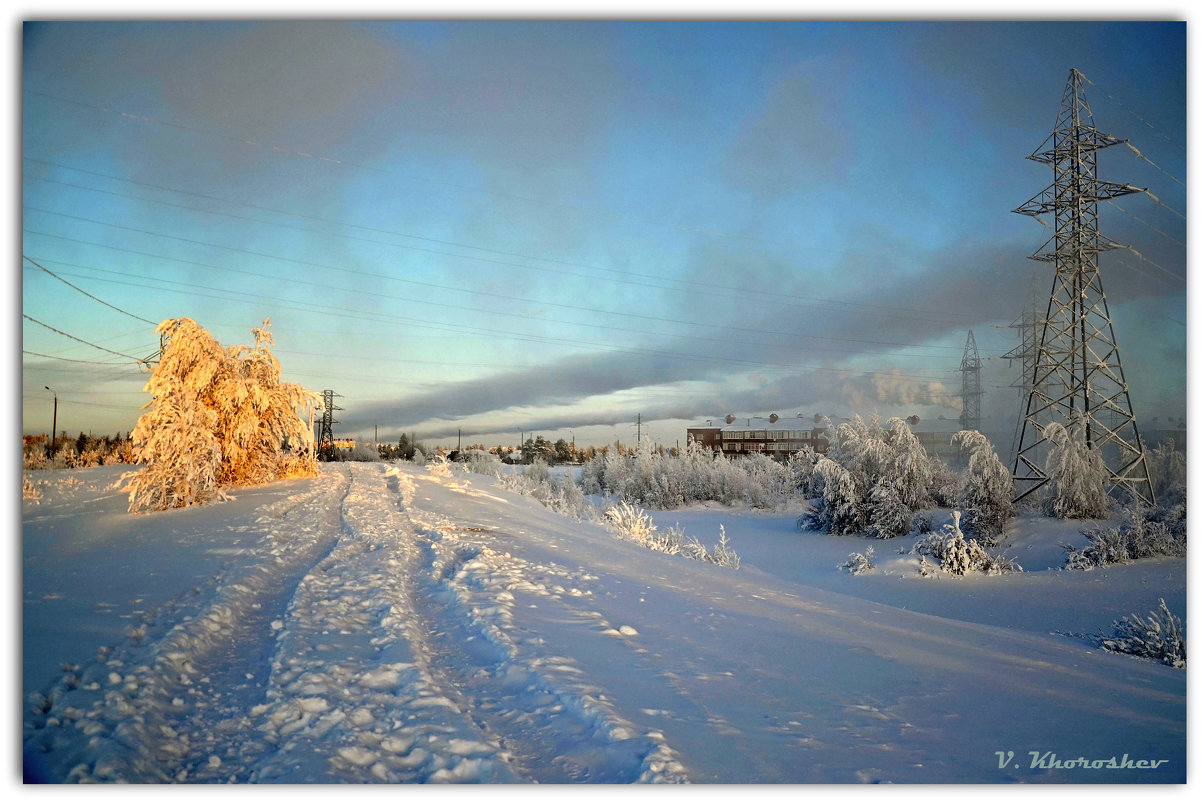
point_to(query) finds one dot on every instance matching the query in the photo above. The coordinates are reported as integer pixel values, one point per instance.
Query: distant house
(779, 439)
(513, 457)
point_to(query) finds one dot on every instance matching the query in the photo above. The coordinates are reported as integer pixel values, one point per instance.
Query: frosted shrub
(217, 417)
(630, 521)
(34, 457)
(660, 480)
(1160, 636)
(440, 466)
(484, 463)
(561, 496)
(960, 556)
(633, 523)
(985, 490)
(723, 555)
(859, 563)
(30, 491)
(1076, 473)
(1143, 533)
(362, 452)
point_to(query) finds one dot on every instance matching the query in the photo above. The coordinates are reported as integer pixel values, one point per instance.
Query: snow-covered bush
(985, 490)
(30, 491)
(217, 417)
(960, 556)
(922, 523)
(363, 452)
(1160, 636)
(656, 478)
(634, 523)
(562, 496)
(1142, 533)
(1076, 473)
(859, 563)
(723, 555)
(484, 463)
(33, 457)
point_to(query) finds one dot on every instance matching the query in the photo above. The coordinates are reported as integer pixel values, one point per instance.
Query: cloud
(796, 140)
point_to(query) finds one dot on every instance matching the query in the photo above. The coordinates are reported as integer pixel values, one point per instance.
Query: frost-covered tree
(840, 510)
(889, 515)
(986, 488)
(883, 476)
(1166, 466)
(1076, 473)
(217, 417)
(912, 469)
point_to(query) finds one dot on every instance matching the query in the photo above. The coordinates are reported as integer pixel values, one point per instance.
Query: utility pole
(1078, 377)
(53, 421)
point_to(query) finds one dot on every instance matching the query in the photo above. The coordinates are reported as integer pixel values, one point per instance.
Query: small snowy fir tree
(217, 417)
(859, 563)
(1077, 474)
(960, 556)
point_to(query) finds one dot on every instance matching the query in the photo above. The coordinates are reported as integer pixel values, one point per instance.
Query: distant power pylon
(1077, 378)
(1029, 325)
(970, 386)
(325, 436)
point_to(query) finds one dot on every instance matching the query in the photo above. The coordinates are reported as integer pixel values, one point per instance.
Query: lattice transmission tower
(970, 386)
(1029, 325)
(325, 436)
(1077, 377)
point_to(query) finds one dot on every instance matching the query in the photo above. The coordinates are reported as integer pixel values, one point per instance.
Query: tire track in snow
(352, 696)
(170, 704)
(556, 726)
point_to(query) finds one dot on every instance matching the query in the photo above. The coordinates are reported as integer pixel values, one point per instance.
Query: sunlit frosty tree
(217, 417)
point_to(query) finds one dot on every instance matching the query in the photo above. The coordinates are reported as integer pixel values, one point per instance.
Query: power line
(93, 297)
(380, 276)
(84, 341)
(711, 290)
(64, 359)
(460, 328)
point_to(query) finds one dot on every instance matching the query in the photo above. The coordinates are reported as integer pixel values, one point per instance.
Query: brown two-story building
(779, 439)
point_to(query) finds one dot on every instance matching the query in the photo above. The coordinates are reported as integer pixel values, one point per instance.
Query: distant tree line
(37, 453)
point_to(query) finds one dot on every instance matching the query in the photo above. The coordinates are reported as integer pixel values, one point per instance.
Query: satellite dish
(912, 420)
(772, 418)
(730, 418)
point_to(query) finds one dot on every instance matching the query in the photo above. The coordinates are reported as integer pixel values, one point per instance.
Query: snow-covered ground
(384, 623)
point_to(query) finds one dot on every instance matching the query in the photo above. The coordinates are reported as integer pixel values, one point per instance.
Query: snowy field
(386, 624)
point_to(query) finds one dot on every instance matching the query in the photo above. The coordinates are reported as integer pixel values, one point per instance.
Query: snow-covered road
(395, 624)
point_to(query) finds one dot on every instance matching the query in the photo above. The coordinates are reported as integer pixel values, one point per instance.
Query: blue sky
(556, 228)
